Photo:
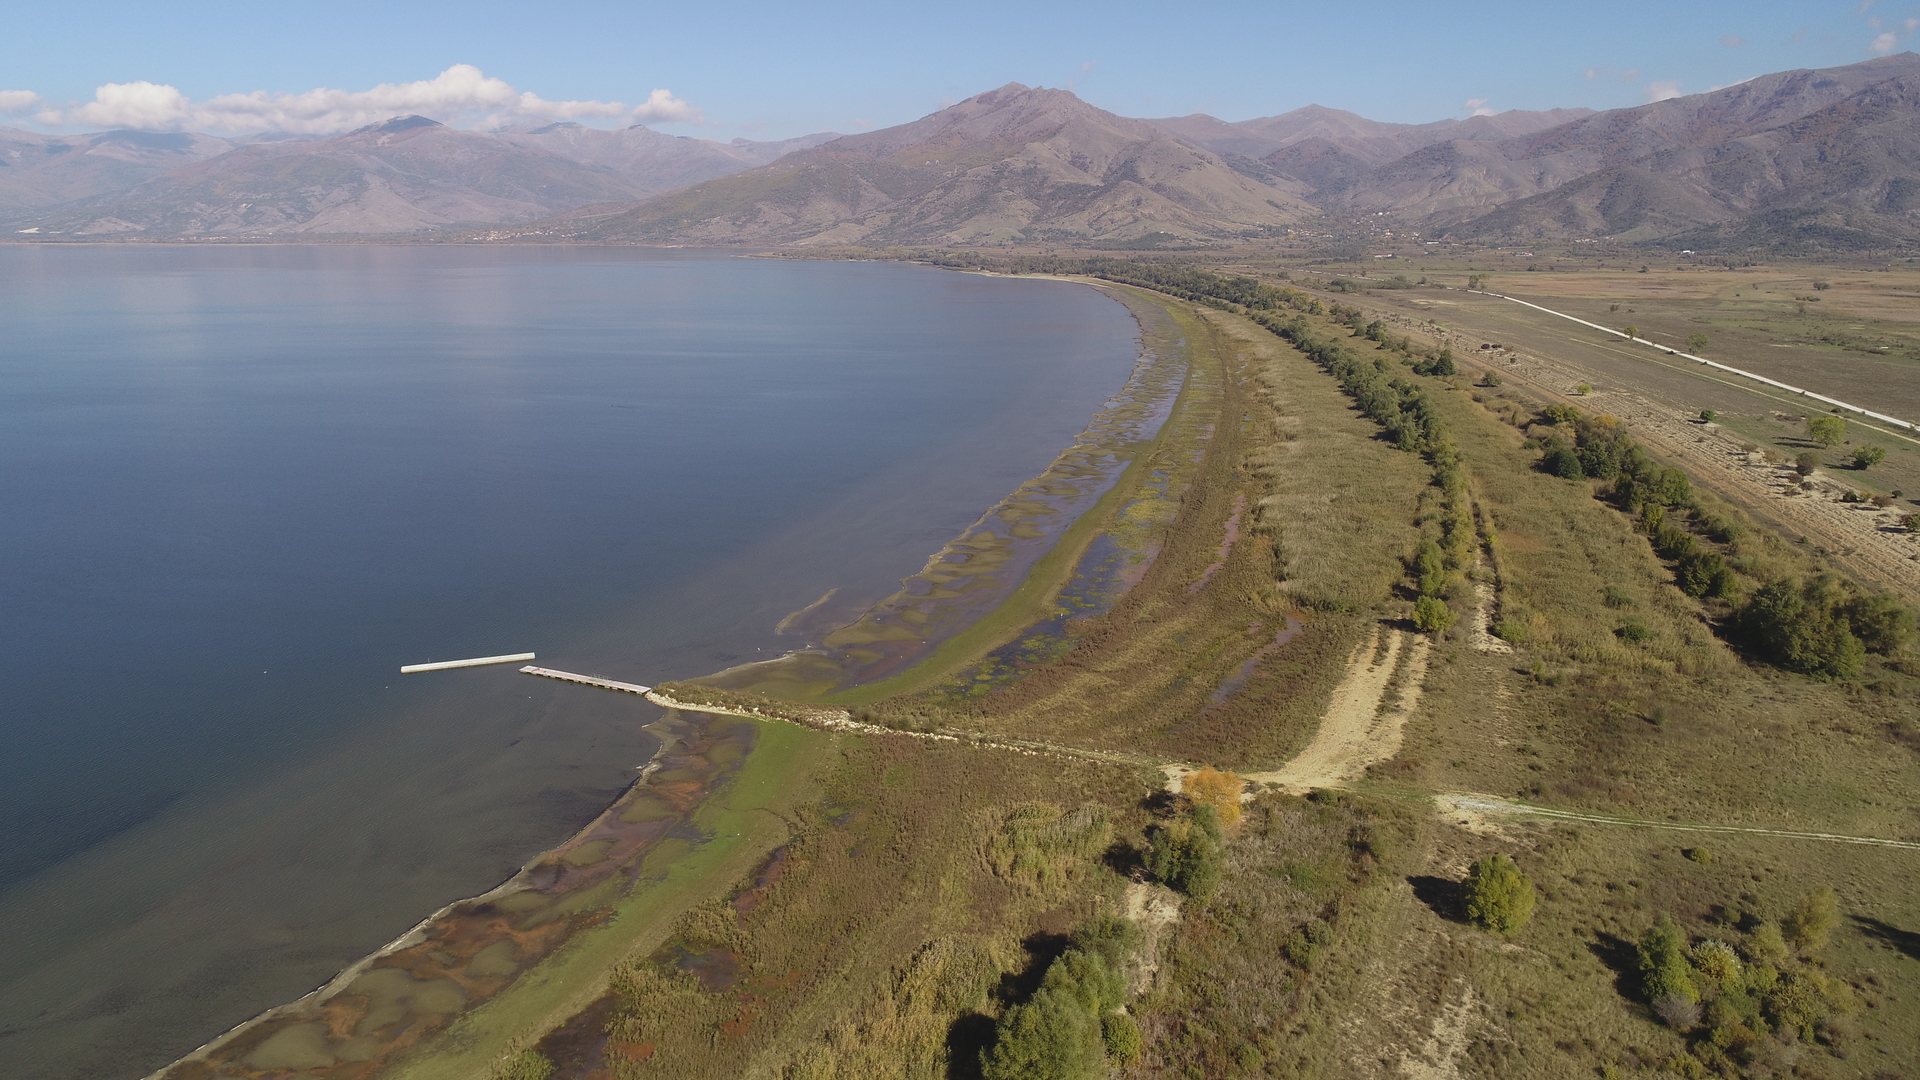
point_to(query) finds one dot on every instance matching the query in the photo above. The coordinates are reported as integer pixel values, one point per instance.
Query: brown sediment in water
(469, 951)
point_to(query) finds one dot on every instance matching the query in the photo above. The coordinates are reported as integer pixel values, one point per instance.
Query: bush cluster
(1824, 626)
(1073, 1026)
(1746, 1001)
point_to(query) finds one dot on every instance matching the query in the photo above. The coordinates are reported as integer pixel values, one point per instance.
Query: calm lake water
(240, 486)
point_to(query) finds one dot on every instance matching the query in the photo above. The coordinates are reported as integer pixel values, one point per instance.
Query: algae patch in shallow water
(979, 570)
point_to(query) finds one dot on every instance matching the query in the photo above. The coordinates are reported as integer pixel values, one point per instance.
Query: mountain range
(1825, 158)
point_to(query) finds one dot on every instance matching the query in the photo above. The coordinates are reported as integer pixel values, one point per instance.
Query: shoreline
(297, 1034)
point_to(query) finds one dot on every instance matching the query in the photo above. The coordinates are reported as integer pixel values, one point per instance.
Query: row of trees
(1823, 626)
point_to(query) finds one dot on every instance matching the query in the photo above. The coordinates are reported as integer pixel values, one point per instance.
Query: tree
(1708, 415)
(1219, 790)
(1431, 566)
(1802, 626)
(1813, 920)
(1805, 462)
(1827, 430)
(1564, 462)
(1431, 615)
(1696, 343)
(1633, 332)
(1866, 457)
(1051, 1036)
(1665, 974)
(1185, 853)
(1499, 896)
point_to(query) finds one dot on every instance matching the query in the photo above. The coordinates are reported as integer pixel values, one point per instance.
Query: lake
(243, 485)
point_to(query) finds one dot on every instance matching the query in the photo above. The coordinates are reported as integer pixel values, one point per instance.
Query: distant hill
(1453, 182)
(1843, 175)
(405, 175)
(1017, 163)
(1323, 148)
(1808, 159)
(45, 170)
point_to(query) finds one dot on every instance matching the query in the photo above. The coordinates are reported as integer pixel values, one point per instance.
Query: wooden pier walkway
(586, 680)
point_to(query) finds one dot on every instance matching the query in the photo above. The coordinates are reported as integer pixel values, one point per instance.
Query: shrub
(1511, 630)
(527, 1065)
(1710, 416)
(1583, 389)
(1430, 564)
(1634, 632)
(1813, 920)
(1805, 462)
(1866, 457)
(1717, 961)
(1665, 975)
(1431, 615)
(1491, 378)
(1827, 430)
(1699, 854)
(1218, 790)
(1883, 625)
(1697, 343)
(1499, 896)
(1122, 1036)
(1766, 944)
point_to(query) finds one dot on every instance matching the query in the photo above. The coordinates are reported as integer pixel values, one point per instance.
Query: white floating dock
(478, 661)
(585, 680)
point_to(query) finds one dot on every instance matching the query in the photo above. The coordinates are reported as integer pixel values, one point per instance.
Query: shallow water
(244, 485)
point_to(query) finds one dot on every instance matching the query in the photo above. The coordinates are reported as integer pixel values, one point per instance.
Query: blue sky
(766, 70)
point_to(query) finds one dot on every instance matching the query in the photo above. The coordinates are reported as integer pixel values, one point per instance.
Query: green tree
(1827, 430)
(1431, 566)
(1633, 332)
(1499, 896)
(1866, 457)
(1696, 343)
(1050, 1036)
(1802, 627)
(1563, 461)
(1709, 415)
(1665, 974)
(1431, 615)
(1186, 854)
(1883, 625)
(1813, 920)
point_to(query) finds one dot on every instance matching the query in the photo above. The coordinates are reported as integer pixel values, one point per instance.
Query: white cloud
(1883, 44)
(1663, 89)
(661, 107)
(16, 102)
(1478, 107)
(459, 95)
